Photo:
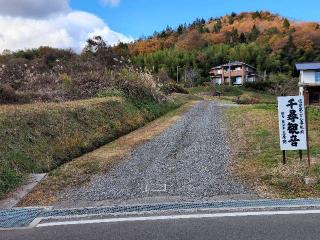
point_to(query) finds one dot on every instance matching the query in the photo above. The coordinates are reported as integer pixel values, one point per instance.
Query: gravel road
(186, 162)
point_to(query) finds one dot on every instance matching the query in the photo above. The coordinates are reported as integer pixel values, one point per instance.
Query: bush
(229, 90)
(110, 93)
(247, 100)
(283, 84)
(9, 179)
(137, 85)
(260, 86)
(66, 81)
(169, 88)
(8, 94)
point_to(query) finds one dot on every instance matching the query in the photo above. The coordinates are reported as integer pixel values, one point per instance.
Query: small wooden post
(308, 144)
(300, 155)
(284, 157)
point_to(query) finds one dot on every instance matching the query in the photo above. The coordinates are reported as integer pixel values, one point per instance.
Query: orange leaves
(146, 46)
(152, 45)
(214, 38)
(190, 41)
(271, 29)
(278, 42)
(306, 36)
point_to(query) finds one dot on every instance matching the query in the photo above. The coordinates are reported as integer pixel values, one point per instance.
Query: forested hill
(267, 41)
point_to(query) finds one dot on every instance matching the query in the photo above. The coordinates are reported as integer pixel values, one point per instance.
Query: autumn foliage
(272, 30)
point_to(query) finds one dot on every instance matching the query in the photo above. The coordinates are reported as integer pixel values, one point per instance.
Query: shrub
(247, 100)
(229, 90)
(66, 81)
(9, 179)
(8, 94)
(110, 93)
(283, 84)
(260, 86)
(169, 88)
(138, 85)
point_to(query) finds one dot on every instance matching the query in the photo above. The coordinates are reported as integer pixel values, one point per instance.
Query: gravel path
(186, 162)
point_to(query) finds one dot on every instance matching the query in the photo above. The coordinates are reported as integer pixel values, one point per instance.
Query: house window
(317, 76)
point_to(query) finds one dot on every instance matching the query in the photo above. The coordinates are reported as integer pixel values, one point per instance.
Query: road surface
(253, 225)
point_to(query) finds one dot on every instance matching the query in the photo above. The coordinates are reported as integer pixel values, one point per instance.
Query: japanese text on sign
(292, 125)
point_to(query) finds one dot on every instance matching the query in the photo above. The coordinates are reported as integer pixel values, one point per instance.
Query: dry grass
(257, 156)
(42, 106)
(82, 169)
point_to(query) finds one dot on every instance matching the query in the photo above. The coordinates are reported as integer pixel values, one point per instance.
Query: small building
(233, 73)
(309, 83)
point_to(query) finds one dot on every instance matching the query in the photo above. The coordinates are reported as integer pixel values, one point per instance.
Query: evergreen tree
(254, 34)
(180, 29)
(217, 26)
(286, 23)
(242, 38)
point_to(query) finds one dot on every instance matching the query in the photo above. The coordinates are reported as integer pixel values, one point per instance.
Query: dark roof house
(233, 73)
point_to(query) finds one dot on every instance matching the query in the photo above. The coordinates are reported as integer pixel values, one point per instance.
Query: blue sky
(142, 17)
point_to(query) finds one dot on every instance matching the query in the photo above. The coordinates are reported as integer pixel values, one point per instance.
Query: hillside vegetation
(267, 41)
(58, 105)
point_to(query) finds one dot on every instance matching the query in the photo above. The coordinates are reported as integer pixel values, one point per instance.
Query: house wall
(239, 75)
(251, 79)
(308, 77)
(218, 81)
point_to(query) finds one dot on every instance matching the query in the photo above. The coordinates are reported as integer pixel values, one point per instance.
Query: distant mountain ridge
(261, 27)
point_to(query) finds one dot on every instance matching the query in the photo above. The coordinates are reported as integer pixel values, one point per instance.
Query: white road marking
(177, 217)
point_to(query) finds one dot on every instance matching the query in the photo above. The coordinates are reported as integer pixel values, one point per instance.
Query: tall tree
(254, 33)
(286, 23)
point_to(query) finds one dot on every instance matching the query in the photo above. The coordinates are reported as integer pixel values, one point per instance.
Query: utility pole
(230, 83)
(185, 74)
(178, 74)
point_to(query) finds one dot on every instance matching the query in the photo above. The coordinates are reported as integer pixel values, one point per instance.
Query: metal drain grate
(156, 187)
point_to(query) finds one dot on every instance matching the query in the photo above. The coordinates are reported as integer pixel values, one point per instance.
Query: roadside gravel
(188, 161)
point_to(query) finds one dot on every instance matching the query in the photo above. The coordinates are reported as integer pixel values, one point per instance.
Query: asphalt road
(273, 227)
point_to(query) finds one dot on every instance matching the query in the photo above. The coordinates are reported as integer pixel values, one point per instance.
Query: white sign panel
(292, 123)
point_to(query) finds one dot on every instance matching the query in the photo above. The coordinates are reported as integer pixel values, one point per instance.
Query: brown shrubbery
(7, 94)
(49, 74)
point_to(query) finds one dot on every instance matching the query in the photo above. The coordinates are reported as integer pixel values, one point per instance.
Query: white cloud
(112, 3)
(33, 8)
(63, 29)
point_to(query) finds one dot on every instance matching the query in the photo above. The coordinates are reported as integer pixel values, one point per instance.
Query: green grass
(231, 93)
(201, 89)
(37, 138)
(259, 161)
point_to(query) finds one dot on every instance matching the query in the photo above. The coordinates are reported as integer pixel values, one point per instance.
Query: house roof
(232, 64)
(308, 66)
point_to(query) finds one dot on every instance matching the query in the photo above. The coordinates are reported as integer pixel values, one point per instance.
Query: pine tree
(286, 23)
(254, 34)
(217, 26)
(242, 38)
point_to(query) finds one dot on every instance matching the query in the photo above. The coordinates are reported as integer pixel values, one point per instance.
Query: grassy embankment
(40, 137)
(255, 140)
(82, 169)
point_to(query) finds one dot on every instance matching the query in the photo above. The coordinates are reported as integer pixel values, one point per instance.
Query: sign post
(292, 125)
(308, 144)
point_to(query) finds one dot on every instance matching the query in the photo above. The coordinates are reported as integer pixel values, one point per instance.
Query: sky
(69, 23)
(142, 17)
